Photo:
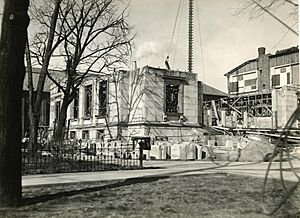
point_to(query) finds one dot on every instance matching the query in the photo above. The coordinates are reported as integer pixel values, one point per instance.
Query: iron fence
(79, 156)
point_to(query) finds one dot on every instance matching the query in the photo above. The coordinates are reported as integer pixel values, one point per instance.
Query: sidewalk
(163, 168)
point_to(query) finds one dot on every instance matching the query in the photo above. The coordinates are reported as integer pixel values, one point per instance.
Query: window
(57, 109)
(76, 104)
(233, 87)
(172, 98)
(72, 135)
(240, 78)
(88, 101)
(100, 134)
(288, 78)
(85, 134)
(283, 70)
(102, 98)
(250, 82)
(276, 80)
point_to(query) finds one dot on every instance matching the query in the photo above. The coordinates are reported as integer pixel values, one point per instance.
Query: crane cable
(173, 32)
(200, 37)
(175, 24)
(177, 36)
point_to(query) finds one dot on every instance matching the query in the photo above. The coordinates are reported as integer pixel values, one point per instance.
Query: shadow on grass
(127, 182)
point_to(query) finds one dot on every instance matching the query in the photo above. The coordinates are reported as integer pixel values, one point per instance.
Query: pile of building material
(245, 149)
(256, 150)
(222, 148)
(174, 150)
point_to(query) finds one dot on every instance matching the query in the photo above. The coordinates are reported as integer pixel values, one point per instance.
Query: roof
(282, 52)
(286, 51)
(209, 90)
(240, 66)
(35, 78)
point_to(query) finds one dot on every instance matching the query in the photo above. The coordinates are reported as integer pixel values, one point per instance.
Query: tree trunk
(12, 71)
(35, 104)
(61, 122)
(33, 117)
(34, 125)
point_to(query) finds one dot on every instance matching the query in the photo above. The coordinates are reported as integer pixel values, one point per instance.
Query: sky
(227, 40)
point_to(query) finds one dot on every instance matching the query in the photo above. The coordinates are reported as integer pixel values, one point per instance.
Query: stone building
(263, 92)
(146, 101)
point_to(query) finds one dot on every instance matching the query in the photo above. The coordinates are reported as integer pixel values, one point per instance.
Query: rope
(173, 32)
(177, 36)
(200, 37)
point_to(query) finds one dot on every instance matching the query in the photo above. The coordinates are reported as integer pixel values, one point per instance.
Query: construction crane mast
(190, 36)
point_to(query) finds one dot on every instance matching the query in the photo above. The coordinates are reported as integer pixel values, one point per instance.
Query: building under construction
(263, 92)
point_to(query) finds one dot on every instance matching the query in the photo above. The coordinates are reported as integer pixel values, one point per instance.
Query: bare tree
(45, 55)
(49, 17)
(12, 71)
(128, 90)
(100, 40)
(257, 8)
(124, 98)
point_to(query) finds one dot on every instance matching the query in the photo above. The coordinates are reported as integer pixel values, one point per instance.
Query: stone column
(95, 102)
(81, 105)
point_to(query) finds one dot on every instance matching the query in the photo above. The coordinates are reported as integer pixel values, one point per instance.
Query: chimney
(261, 51)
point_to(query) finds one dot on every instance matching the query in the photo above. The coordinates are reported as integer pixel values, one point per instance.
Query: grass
(208, 195)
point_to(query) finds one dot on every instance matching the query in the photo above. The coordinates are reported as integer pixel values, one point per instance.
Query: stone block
(158, 151)
(175, 152)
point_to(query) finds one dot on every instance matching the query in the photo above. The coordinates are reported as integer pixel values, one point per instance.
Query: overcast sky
(227, 40)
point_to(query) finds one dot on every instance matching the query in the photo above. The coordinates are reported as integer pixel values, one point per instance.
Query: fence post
(141, 156)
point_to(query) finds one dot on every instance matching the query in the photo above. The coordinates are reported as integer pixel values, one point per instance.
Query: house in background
(208, 96)
(263, 92)
(45, 106)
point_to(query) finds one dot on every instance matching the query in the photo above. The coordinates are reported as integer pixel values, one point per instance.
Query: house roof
(35, 78)
(240, 66)
(209, 90)
(290, 50)
(286, 51)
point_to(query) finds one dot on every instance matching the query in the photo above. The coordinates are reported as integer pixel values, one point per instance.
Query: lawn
(208, 195)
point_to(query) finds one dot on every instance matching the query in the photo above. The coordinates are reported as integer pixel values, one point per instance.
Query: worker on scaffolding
(167, 63)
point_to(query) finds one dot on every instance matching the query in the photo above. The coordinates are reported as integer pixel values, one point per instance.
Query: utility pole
(190, 37)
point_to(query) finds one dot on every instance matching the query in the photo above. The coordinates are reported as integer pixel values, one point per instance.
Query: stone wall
(284, 103)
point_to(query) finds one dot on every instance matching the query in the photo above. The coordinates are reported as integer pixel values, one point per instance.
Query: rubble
(223, 148)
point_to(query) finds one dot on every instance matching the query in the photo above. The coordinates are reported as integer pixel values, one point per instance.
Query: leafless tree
(100, 38)
(47, 16)
(125, 99)
(257, 8)
(12, 71)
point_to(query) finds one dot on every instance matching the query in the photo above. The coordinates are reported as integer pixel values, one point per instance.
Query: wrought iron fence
(79, 156)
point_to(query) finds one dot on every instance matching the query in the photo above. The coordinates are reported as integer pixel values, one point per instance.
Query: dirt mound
(255, 150)
(244, 149)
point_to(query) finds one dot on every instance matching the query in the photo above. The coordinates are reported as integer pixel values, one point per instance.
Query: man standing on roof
(167, 63)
